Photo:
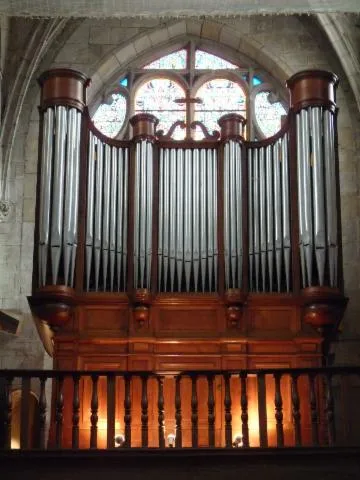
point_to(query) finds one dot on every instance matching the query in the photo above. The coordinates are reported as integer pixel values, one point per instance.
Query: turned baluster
(263, 435)
(110, 400)
(161, 412)
(278, 411)
(194, 412)
(42, 414)
(244, 410)
(178, 418)
(59, 412)
(8, 412)
(296, 410)
(127, 410)
(144, 411)
(25, 412)
(313, 411)
(94, 412)
(329, 409)
(75, 412)
(211, 407)
(228, 416)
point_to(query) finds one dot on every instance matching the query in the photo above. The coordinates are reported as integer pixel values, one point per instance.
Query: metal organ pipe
(214, 216)
(90, 209)
(203, 206)
(263, 243)
(70, 193)
(330, 188)
(113, 218)
(286, 208)
(251, 218)
(187, 217)
(277, 210)
(195, 216)
(269, 214)
(318, 190)
(172, 248)
(106, 215)
(45, 192)
(306, 186)
(98, 209)
(58, 191)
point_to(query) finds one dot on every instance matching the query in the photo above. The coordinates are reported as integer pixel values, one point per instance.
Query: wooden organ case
(162, 255)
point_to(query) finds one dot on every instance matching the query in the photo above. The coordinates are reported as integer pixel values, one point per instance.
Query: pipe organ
(154, 254)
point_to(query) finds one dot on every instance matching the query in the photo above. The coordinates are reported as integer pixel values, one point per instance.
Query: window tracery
(219, 86)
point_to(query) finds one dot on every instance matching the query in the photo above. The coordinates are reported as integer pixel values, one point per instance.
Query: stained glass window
(206, 61)
(157, 96)
(257, 81)
(268, 114)
(124, 82)
(109, 117)
(219, 96)
(175, 61)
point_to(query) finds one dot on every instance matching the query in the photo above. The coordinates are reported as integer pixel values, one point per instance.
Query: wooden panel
(182, 321)
(176, 363)
(271, 319)
(103, 320)
(187, 347)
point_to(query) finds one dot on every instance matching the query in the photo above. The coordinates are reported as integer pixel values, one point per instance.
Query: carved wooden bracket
(141, 300)
(234, 300)
(53, 304)
(323, 308)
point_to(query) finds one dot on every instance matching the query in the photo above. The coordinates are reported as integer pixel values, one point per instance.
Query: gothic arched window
(191, 84)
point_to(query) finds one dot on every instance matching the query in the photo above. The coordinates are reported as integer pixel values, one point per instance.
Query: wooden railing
(247, 408)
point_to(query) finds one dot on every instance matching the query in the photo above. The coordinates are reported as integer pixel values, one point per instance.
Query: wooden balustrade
(108, 409)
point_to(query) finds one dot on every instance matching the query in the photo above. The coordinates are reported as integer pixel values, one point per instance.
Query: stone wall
(103, 49)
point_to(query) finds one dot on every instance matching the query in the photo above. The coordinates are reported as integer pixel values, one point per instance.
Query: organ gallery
(166, 256)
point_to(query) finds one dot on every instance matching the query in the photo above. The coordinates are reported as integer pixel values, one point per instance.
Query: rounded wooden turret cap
(63, 86)
(312, 88)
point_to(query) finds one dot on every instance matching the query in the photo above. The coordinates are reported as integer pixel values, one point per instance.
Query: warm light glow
(171, 440)
(15, 444)
(237, 440)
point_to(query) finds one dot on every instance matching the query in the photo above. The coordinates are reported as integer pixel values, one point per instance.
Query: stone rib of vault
(170, 8)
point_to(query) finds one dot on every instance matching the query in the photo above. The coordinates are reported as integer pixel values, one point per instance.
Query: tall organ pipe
(330, 183)
(214, 216)
(299, 148)
(172, 248)
(149, 207)
(62, 104)
(166, 216)
(318, 191)
(251, 219)
(58, 190)
(195, 216)
(269, 214)
(210, 215)
(106, 215)
(263, 245)
(45, 192)
(187, 217)
(180, 216)
(203, 207)
(90, 209)
(161, 218)
(98, 209)
(286, 208)
(277, 209)
(227, 214)
(113, 219)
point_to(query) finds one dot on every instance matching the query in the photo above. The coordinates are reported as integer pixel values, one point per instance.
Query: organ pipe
(285, 200)
(188, 226)
(57, 212)
(45, 192)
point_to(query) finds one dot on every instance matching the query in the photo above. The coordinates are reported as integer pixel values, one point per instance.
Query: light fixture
(171, 440)
(237, 442)
(119, 440)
